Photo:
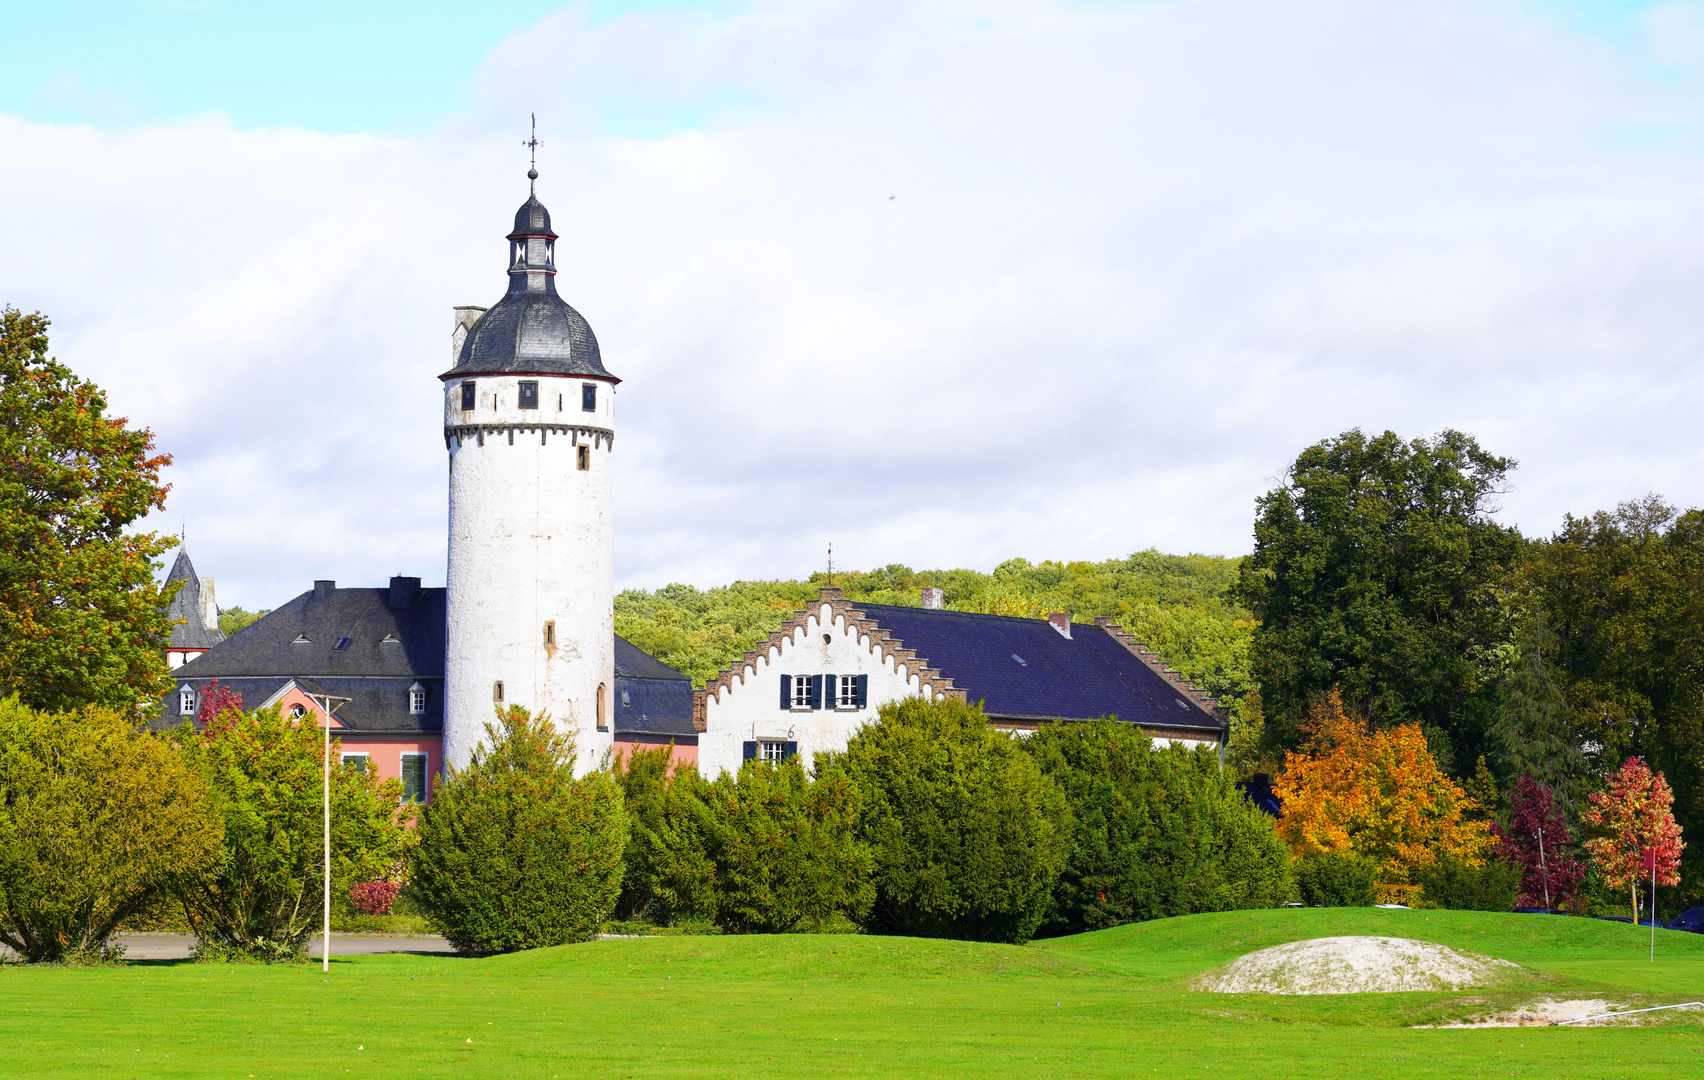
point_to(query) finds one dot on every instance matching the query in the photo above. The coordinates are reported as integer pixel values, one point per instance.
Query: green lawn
(1106, 1003)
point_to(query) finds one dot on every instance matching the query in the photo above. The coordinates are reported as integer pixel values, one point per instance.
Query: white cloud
(1135, 258)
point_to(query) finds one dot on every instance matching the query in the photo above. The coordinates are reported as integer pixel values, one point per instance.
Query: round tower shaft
(529, 425)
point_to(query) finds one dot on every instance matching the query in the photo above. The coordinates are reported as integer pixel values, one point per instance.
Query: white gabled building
(827, 672)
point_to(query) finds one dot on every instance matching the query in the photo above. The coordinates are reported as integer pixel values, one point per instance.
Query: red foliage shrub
(217, 701)
(374, 897)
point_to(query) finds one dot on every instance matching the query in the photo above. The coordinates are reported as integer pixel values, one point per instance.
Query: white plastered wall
(750, 708)
(531, 540)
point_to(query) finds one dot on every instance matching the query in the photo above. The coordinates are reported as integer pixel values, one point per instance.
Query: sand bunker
(1355, 965)
(1589, 1010)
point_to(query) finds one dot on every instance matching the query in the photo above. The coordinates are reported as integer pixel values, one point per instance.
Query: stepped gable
(870, 633)
(651, 698)
(185, 612)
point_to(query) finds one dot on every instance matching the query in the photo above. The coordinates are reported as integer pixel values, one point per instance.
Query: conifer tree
(1533, 734)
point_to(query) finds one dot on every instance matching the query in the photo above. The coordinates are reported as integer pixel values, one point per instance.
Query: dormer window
(529, 395)
(186, 701)
(469, 396)
(588, 397)
(417, 700)
(301, 639)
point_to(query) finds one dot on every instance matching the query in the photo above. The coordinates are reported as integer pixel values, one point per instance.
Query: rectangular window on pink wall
(413, 778)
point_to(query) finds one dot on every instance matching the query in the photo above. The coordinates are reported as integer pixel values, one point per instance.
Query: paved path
(178, 946)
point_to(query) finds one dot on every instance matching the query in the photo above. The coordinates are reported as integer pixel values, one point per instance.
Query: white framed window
(416, 700)
(848, 696)
(298, 710)
(772, 751)
(413, 773)
(358, 761)
(186, 701)
(801, 695)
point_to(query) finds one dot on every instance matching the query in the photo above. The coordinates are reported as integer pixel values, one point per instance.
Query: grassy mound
(1110, 1003)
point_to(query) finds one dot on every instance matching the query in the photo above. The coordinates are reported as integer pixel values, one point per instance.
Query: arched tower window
(603, 707)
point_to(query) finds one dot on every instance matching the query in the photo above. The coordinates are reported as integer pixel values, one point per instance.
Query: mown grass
(1110, 1003)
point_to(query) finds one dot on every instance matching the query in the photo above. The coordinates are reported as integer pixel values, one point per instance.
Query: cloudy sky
(942, 283)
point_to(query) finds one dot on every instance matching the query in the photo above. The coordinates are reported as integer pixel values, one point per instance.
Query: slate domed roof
(531, 330)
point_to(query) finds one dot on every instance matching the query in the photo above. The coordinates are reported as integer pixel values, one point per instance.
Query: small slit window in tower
(558, 402)
(603, 707)
(529, 395)
(497, 691)
(470, 396)
(550, 632)
(588, 397)
(583, 456)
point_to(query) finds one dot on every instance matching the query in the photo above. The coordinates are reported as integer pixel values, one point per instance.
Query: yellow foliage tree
(1376, 793)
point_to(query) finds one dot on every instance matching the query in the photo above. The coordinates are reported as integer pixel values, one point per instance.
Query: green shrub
(262, 898)
(644, 781)
(967, 833)
(1452, 883)
(1157, 833)
(781, 849)
(99, 823)
(514, 852)
(1337, 879)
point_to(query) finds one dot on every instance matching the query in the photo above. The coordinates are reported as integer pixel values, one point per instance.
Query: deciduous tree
(1377, 793)
(98, 820)
(261, 899)
(1375, 572)
(1537, 837)
(82, 619)
(1629, 817)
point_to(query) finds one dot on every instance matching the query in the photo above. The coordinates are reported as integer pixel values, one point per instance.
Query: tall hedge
(514, 851)
(1157, 833)
(97, 821)
(967, 834)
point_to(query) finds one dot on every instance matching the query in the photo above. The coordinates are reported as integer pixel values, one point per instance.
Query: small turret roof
(189, 629)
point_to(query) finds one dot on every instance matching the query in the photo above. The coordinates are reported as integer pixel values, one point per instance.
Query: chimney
(209, 608)
(404, 592)
(829, 592)
(323, 589)
(465, 318)
(1061, 621)
(934, 599)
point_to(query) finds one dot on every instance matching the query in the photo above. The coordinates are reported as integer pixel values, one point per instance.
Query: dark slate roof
(530, 330)
(266, 655)
(189, 629)
(532, 219)
(651, 698)
(1088, 675)
(300, 638)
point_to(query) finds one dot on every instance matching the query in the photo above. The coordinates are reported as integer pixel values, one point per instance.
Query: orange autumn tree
(1375, 793)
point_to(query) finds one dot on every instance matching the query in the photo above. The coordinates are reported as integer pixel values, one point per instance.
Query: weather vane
(532, 168)
(831, 564)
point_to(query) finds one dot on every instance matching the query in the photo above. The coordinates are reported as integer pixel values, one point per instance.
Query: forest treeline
(1179, 605)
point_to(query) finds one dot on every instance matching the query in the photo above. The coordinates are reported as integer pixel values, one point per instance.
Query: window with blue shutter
(786, 692)
(863, 691)
(816, 691)
(789, 750)
(748, 751)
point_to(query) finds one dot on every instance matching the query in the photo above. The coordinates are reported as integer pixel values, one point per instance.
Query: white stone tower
(528, 420)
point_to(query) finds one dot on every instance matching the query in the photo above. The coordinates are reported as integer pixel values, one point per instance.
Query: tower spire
(532, 167)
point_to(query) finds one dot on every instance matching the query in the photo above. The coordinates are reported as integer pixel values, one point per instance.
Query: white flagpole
(325, 952)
